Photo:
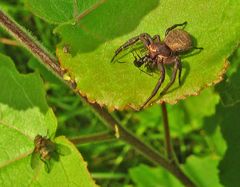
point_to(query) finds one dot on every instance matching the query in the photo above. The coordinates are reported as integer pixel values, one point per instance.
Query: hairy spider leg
(144, 37)
(177, 66)
(174, 26)
(158, 85)
(157, 38)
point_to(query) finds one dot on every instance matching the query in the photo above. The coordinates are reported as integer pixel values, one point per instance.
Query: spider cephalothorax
(159, 53)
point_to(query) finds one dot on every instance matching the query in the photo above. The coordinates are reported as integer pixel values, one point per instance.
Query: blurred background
(195, 123)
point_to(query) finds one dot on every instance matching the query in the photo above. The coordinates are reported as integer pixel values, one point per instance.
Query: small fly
(47, 151)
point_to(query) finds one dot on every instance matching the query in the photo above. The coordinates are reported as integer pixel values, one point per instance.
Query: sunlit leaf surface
(24, 114)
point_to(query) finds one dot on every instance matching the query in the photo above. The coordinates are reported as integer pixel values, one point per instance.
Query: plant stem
(120, 132)
(168, 145)
(103, 136)
(29, 42)
(140, 146)
(9, 42)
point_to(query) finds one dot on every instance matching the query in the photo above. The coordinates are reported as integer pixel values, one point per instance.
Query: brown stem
(143, 148)
(167, 137)
(104, 136)
(120, 132)
(29, 42)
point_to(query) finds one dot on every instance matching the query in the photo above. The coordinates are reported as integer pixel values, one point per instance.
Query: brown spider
(159, 53)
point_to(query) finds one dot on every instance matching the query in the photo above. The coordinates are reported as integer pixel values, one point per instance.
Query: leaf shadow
(16, 92)
(105, 23)
(228, 118)
(185, 67)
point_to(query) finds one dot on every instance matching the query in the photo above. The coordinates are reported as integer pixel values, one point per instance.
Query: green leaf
(234, 62)
(230, 165)
(189, 115)
(69, 171)
(202, 170)
(93, 40)
(23, 115)
(59, 11)
(227, 116)
(143, 176)
(184, 117)
(230, 89)
(19, 92)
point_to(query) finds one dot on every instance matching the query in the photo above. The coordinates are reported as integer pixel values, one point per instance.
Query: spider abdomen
(178, 40)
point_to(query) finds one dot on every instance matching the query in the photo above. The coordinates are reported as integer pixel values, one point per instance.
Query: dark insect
(47, 151)
(159, 53)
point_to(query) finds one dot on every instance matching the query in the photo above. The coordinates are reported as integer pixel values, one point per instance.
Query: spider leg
(144, 37)
(157, 38)
(125, 45)
(173, 27)
(158, 85)
(138, 61)
(177, 65)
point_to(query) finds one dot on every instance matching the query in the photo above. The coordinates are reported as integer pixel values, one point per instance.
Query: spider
(160, 53)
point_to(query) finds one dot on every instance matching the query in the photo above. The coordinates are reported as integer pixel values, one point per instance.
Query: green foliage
(205, 133)
(227, 116)
(23, 115)
(28, 93)
(189, 115)
(202, 170)
(230, 128)
(229, 89)
(58, 11)
(93, 40)
(146, 176)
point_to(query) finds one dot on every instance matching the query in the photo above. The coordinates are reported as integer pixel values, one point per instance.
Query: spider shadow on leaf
(138, 49)
(186, 70)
